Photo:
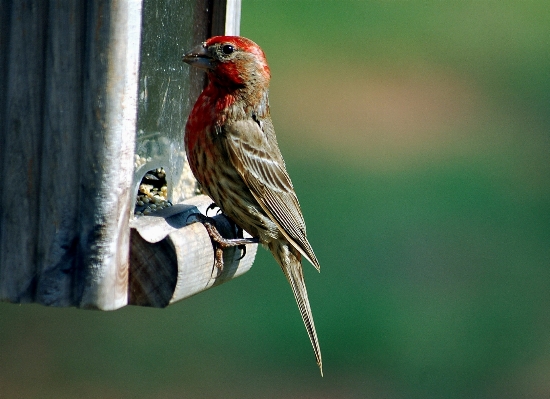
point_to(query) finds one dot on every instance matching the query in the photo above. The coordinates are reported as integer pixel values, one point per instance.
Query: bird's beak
(199, 57)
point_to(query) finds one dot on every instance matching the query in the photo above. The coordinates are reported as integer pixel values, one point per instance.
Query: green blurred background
(417, 135)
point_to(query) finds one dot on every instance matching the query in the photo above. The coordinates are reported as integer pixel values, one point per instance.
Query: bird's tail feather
(290, 261)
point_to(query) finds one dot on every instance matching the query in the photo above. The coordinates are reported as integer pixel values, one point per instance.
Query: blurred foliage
(435, 257)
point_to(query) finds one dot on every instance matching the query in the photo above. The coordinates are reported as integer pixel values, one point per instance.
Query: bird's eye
(227, 49)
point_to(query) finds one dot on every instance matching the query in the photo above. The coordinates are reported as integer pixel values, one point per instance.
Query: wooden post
(68, 140)
(172, 259)
(85, 87)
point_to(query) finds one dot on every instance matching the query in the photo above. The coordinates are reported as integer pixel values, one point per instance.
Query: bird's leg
(220, 242)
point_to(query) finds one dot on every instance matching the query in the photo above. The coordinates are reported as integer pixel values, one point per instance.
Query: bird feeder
(97, 197)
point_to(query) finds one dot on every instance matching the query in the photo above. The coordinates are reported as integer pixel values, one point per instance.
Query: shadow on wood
(171, 260)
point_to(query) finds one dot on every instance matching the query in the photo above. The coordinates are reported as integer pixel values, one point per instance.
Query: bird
(233, 153)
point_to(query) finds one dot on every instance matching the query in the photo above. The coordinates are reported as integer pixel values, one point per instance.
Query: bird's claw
(220, 243)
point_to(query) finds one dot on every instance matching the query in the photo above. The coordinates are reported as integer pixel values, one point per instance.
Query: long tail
(290, 261)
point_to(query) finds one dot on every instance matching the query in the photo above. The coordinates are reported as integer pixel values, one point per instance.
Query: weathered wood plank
(5, 24)
(5, 35)
(107, 151)
(20, 152)
(226, 17)
(172, 259)
(57, 239)
(233, 18)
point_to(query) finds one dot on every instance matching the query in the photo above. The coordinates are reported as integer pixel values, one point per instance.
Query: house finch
(233, 153)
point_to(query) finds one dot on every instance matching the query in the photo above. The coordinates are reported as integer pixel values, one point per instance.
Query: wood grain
(172, 258)
(68, 130)
(20, 152)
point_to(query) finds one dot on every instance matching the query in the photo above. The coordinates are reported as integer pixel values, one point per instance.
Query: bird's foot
(220, 243)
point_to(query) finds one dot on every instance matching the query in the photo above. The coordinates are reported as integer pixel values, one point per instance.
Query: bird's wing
(253, 151)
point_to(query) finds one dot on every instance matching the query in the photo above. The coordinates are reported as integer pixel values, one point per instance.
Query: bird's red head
(231, 61)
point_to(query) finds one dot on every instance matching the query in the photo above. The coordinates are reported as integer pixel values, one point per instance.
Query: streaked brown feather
(257, 158)
(289, 259)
